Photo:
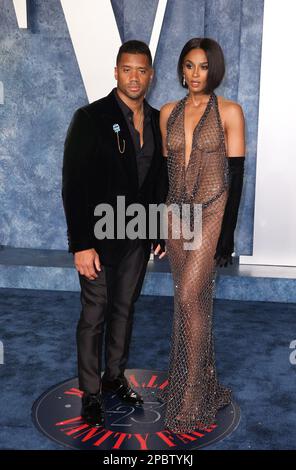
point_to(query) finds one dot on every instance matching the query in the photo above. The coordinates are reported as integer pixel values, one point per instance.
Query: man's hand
(86, 262)
(159, 249)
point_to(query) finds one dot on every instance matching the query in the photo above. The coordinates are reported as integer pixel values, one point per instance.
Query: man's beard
(131, 95)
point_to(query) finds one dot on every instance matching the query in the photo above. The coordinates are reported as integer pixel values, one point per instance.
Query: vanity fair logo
(93, 22)
(57, 415)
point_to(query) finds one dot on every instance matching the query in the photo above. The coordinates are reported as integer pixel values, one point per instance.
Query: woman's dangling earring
(184, 81)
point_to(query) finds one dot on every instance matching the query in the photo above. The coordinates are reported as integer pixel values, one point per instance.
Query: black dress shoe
(123, 390)
(92, 412)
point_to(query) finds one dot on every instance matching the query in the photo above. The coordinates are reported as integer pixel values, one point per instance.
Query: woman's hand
(223, 260)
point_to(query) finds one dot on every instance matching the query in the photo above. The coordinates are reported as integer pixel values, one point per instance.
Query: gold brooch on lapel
(116, 129)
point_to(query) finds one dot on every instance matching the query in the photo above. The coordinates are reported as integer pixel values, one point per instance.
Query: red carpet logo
(57, 414)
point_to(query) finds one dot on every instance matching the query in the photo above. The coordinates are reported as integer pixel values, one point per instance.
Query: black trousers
(107, 313)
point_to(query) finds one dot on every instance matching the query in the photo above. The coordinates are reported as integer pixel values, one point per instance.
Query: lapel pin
(116, 129)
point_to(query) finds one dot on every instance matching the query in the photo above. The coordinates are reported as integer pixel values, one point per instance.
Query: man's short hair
(134, 47)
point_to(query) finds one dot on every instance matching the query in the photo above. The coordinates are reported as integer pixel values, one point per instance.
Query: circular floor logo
(57, 415)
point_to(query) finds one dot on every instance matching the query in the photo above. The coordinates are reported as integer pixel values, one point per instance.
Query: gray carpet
(252, 342)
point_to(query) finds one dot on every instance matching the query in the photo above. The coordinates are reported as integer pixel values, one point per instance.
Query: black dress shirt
(144, 154)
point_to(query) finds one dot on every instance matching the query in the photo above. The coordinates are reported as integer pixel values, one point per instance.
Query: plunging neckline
(194, 130)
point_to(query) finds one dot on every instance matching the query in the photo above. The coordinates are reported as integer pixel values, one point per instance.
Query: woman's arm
(163, 182)
(235, 130)
(235, 142)
(164, 116)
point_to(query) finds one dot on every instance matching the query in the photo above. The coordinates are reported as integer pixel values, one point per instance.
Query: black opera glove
(162, 185)
(161, 194)
(225, 245)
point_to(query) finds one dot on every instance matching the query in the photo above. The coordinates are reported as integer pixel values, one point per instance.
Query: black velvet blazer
(94, 172)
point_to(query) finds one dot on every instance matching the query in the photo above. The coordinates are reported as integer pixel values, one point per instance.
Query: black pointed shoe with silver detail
(92, 411)
(123, 390)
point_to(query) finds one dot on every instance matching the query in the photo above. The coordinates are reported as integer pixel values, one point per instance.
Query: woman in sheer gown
(201, 171)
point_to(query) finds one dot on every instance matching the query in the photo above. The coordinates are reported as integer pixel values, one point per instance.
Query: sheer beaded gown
(193, 394)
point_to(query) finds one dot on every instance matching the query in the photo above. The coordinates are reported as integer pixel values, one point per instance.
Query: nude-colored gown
(194, 395)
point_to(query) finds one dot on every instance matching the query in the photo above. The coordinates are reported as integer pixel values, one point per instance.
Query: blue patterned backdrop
(43, 87)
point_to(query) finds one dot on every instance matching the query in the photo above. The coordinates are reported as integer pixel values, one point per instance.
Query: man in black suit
(112, 148)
